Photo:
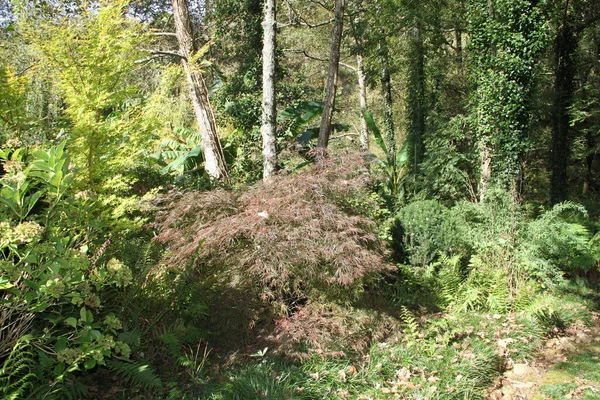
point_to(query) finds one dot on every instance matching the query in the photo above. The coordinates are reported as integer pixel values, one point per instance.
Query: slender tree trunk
(458, 46)
(357, 29)
(416, 97)
(214, 160)
(388, 103)
(362, 101)
(486, 169)
(268, 128)
(334, 62)
(485, 152)
(564, 53)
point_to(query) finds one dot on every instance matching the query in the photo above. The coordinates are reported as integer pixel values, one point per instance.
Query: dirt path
(561, 370)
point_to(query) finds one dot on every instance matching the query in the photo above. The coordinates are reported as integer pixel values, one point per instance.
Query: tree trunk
(362, 101)
(214, 160)
(386, 93)
(334, 62)
(416, 98)
(268, 128)
(486, 169)
(565, 47)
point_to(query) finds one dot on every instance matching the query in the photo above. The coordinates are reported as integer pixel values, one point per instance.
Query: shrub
(286, 242)
(490, 256)
(52, 291)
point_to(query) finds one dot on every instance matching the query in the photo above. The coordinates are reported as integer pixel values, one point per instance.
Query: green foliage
(181, 154)
(490, 256)
(428, 229)
(13, 118)
(135, 374)
(92, 55)
(17, 376)
(506, 37)
(447, 172)
(44, 269)
(394, 167)
(295, 119)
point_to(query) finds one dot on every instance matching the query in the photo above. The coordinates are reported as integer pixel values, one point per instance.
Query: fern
(449, 279)
(411, 325)
(16, 376)
(131, 338)
(135, 373)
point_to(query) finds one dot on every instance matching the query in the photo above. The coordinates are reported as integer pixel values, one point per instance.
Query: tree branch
(164, 34)
(305, 54)
(166, 54)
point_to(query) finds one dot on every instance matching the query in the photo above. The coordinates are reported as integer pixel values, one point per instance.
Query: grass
(577, 377)
(454, 356)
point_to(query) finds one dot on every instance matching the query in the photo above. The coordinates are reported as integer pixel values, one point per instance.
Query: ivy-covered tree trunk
(268, 128)
(506, 37)
(334, 63)
(388, 103)
(564, 58)
(214, 160)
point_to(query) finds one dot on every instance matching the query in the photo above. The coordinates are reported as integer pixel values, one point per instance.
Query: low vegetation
(176, 222)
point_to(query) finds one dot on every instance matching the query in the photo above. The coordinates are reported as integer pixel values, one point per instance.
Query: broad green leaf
(375, 130)
(83, 314)
(61, 344)
(71, 322)
(89, 363)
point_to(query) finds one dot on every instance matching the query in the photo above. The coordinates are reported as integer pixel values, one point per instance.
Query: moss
(554, 377)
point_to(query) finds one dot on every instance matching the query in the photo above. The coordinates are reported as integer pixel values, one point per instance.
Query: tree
(91, 55)
(268, 128)
(214, 160)
(572, 19)
(506, 37)
(334, 62)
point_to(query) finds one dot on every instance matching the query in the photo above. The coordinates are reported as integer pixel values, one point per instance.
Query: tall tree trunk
(416, 97)
(388, 103)
(485, 152)
(268, 128)
(564, 53)
(362, 101)
(458, 46)
(214, 160)
(334, 63)
(357, 28)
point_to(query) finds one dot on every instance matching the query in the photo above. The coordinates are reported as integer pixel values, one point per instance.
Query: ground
(567, 367)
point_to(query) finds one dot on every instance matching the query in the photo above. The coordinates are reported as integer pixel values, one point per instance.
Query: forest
(299, 199)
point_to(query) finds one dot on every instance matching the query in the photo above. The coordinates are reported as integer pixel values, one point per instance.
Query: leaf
(59, 369)
(61, 344)
(375, 130)
(89, 363)
(5, 283)
(39, 307)
(83, 314)
(71, 322)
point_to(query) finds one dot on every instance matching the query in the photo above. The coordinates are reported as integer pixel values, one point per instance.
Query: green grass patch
(578, 377)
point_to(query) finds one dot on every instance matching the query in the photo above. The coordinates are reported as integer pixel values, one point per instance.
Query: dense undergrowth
(308, 287)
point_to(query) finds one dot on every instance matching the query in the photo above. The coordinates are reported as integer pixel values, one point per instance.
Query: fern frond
(16, 375)
(411, 325)
(131, 338)
(135, 373)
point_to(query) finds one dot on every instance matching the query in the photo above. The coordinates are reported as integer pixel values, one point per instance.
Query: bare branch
(166, 53)
(172, 34)
(305, 54)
